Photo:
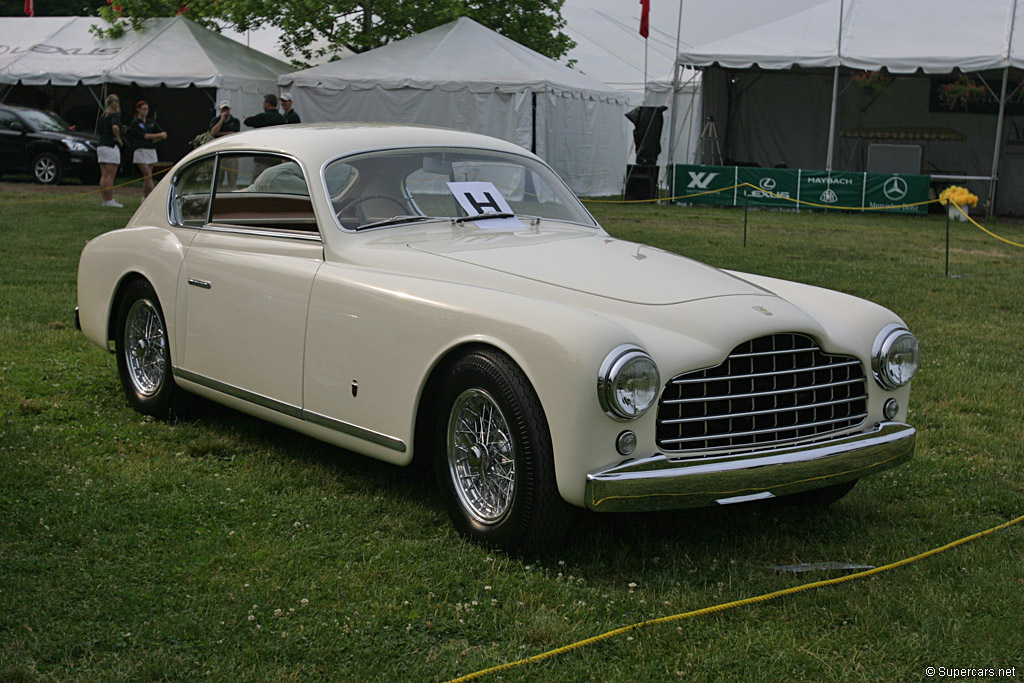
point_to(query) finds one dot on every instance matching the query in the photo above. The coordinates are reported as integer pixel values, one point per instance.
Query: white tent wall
(584, 140)
(505, 115)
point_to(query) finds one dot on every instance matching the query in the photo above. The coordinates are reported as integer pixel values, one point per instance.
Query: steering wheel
(359, 200)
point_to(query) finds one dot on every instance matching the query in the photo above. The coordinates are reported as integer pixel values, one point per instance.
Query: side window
(6, 119)
(190, 201)
(262, 191)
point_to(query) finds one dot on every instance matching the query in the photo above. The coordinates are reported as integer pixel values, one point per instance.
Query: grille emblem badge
(762, 310)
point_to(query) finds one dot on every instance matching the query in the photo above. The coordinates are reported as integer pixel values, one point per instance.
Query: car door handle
(203, 284)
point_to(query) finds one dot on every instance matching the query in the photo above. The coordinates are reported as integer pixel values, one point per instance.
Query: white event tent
(784, 92)
(178, 66)
(463, 75)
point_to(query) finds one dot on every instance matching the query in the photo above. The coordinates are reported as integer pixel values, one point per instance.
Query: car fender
(108, 260)
(385, 333)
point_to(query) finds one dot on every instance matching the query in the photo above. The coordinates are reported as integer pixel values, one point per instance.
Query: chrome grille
(770, 390)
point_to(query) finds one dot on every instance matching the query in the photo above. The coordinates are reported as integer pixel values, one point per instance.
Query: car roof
(316, 143)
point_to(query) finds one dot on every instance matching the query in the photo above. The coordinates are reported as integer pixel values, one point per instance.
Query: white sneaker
(113, 203)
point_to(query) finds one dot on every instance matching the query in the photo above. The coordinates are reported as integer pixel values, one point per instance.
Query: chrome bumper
(663, 483)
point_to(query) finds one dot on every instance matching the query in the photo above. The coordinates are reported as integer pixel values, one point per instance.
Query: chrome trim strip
(757, 375)
(852, 419)
(758, 354)
(260, 232)
(290, 410)
(243, 394)
(661, 483)
(202, 284)
(391, 442)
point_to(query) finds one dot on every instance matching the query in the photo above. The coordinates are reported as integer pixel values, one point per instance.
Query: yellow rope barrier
(802, 202)
(62, 197)
(985, 230)
(738, 603)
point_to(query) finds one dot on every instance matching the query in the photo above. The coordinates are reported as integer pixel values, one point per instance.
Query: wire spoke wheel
(145, 348)
(144, 351)
(481, 456)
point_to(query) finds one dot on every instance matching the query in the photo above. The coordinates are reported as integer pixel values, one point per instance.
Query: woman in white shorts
(108, 152)
(144, 133)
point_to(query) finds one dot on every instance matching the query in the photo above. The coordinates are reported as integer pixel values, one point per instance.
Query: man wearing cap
(270, 116)
(290, 115)
(225, 124)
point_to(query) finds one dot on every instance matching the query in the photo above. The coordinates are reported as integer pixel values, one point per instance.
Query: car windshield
(42, 120)
(392, 187)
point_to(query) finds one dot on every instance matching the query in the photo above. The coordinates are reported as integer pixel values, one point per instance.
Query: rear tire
(143, 351)
(47, 169)
(493, 457)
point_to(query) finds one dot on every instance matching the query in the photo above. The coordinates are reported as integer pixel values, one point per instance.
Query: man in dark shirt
(269, 117)
(225, 124)
(290, 115)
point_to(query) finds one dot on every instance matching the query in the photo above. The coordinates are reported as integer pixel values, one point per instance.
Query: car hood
(66, 134)
(588, 261)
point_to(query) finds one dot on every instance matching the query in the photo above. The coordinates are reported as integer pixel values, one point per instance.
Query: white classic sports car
(409, 292)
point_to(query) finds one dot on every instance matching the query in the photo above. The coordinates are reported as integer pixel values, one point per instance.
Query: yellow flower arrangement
(960, 196)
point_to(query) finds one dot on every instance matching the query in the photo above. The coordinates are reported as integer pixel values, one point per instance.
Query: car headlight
(895, 357)
(75, 145)
(628, 382)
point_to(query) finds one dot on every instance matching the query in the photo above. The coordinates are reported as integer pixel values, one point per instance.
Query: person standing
(143, 134)
(224, 123)
(270, 116)
(108, 151)
(290, 115)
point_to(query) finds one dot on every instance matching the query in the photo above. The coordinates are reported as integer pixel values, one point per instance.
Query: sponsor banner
(787, 188)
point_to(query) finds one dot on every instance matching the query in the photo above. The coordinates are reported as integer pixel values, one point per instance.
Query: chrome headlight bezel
(889, 353)
(614, 398)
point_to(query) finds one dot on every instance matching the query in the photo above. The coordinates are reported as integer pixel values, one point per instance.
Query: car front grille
(771, 390)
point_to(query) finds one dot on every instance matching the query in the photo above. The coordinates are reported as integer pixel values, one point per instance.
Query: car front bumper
(660, 482)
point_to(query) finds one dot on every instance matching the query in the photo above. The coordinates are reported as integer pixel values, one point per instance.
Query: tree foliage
(358, 26)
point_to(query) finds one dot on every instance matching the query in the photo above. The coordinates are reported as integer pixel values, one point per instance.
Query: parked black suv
(41, 143)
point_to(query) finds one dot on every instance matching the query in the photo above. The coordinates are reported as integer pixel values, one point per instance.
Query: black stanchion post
(948, 209)
(745, 203)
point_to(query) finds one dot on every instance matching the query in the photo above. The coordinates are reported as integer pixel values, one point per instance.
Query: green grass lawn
(217, 546)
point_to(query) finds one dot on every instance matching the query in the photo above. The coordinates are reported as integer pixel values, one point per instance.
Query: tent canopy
(461, 55)
(936, 36)
(173, 52)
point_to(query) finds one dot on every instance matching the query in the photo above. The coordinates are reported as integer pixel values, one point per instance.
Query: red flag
(30, 8)
(645, 13)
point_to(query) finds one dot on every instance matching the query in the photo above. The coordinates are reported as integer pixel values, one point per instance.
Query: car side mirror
(18, 126)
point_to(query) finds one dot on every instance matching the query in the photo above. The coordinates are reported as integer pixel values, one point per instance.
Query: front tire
(493, 461)
(143, 351)
(47, 169)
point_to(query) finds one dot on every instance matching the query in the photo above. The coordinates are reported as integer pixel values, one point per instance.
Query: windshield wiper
(484, 216)
(394, 220)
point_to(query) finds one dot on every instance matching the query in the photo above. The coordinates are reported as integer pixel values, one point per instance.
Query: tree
(359, 26)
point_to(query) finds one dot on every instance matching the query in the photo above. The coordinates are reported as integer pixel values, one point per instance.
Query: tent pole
(835, 91)
(999, 123)
(670, 176)
(995, 152)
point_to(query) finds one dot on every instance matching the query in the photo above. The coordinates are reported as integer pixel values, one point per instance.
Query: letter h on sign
(491, 203)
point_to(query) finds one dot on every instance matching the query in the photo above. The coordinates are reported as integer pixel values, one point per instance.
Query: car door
(246, 281)
(13, 143)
